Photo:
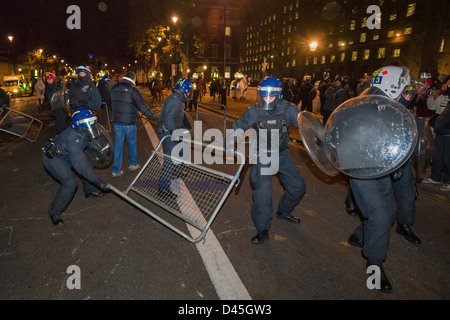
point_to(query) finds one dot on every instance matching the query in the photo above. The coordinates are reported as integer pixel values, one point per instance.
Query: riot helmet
(270, 93)
(49, 76)
(86, 70)
(391, 80)
(183, 86)
(84, 121)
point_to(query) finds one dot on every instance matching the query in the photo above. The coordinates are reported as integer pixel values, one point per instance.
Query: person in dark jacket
(59, 113)
(172, 117)
(65, 153)
(271, 115)
(126, 101)
(334, 96)
(83, 93)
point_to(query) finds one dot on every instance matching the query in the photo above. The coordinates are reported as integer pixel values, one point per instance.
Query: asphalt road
(123, 254)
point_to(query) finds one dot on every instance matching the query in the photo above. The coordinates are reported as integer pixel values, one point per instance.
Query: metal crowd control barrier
(19, 124)
(200, 191)
(211, 121)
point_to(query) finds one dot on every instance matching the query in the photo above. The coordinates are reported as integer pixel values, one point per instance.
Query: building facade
(352, 37)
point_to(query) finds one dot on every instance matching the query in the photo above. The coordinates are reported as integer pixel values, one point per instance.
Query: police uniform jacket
(126, 101)
(84, 95)
(71, 145)
(50, 90)
(284, 115)
(172, 114)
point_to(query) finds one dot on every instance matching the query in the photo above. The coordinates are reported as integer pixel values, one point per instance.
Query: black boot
(385, 285)
(288, 217)
(354, 241)
(56, 220)
(261, 237)
(350, 206)
(407, 233)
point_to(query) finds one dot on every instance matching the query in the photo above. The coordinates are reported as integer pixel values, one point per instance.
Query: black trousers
(262, 190)
(61, 170)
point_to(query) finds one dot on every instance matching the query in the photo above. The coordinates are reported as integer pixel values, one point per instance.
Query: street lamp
(10, 38)
(313, 46)
(174, 19)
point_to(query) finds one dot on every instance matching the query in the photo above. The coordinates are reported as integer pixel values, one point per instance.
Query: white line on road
(226, 281)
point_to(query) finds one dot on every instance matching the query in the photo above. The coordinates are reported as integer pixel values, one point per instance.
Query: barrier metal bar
(4, 124)
(200, 191)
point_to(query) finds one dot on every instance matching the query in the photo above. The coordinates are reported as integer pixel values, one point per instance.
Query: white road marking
(226, 281)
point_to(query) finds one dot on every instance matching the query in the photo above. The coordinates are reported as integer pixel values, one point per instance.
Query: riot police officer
(273, 115)
(52, 87)
(171, 118)
(65, 153)
(83, 93)
(388, 198)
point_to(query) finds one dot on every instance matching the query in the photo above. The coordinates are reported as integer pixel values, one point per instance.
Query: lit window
(284, 30)
(330, 45)
(364, 23)
(352, 24)
(284, 9)
(293, 62)
(342, 56)
(362, 38)
(441, 47)
(288, 51)
(227, 31)
(296, 15)
(307, 61)
(390, 33)
(296, 4)
(322, 60)
(354, 55)
(315, 60)
(396, 53)
(332, 58)
(376, 36)
(366, 54)
(408, 29)
(392, 17)
(287, 64)
(381, 53)
(411, 9)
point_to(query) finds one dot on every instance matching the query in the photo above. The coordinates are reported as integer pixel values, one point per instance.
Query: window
(315, 60)
(354, 55)
(306, 61)
(390, 33)
(411, 9)
(322, 60)
(227, 31)
(441, 47)
(396, 53)
(366, 54)
(293, 62)
(376, 36)
(215, 50)
(332, 58)
(352, 24)
(392, 17)
(362, 38)
(342, 56)
(364, 23)
(408, 29)
(381, 53)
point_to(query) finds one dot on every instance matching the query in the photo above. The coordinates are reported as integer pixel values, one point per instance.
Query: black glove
(397, 174)
(102, 185)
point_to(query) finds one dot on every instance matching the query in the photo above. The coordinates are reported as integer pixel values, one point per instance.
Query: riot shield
(311, 130)
(59, 102)
(104, 142)
(369, 136)
(424, 152)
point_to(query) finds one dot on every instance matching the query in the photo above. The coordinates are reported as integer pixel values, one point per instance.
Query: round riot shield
(369, 136)
(311, 130)
(424, 151)
(103, 159)
(59, 102)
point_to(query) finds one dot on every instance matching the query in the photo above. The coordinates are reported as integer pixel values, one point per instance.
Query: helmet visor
(89, 127)
(269, 97)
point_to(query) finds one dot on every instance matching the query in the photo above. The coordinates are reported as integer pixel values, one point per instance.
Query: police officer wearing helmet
(65, 153)
(52, 87)
(83, 93)
(171, 118)
(388, 198)
(273, 115)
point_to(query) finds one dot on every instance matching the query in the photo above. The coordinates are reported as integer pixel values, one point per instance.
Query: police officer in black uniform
(83, 93)
(275, 115)
(65, 153)
(171, 118)
(51, 87)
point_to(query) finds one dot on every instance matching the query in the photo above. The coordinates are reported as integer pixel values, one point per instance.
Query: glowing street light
(313, 46)
(10, 38)
(174, 19)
